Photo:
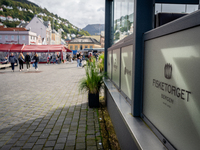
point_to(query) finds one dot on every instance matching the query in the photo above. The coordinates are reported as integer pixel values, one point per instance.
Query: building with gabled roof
(41, 27)
(83, 43)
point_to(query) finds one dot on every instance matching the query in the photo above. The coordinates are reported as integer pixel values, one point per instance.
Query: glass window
(23, 37)
(91, 46)
(6, 37)
(71, 47)
(86, 46)
(12, 37)
(0, 37)
(123, 19)
(76, 47)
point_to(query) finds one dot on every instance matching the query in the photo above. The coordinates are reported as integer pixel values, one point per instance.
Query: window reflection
(123, 19)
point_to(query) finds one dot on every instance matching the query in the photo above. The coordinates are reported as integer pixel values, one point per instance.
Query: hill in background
(56, 21)
(94, 29)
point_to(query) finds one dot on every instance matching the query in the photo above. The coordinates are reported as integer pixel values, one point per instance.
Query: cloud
(78, 12)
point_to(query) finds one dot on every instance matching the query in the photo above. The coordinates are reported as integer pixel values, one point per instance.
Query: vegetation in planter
(101, 62)
(93, 82)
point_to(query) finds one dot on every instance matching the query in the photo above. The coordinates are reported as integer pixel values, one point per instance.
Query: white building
(9, 7)
(42, 28)
(1, 9)
(16, 19)
(1, 24)
(17, 36)
(19, 8)
(24, 9)
(30, 11)
(9, 18)
(3, 18)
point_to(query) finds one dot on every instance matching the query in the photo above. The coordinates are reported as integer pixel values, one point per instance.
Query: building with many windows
(152, 54)
(83, 43)
(17, 36)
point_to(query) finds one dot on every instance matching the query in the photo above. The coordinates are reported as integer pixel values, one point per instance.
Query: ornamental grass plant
(93, 82)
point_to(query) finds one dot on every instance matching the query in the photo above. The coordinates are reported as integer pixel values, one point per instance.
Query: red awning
(32, 48)
(11, 47)
(67, 50)
(43, 48)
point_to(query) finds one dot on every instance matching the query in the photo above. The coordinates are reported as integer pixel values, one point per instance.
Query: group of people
(55, 59)
(27, 59)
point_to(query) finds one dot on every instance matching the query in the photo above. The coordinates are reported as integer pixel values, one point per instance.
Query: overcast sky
(83, 12)
(79, 12)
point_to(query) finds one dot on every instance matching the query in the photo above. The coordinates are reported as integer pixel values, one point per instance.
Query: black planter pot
(93, 100)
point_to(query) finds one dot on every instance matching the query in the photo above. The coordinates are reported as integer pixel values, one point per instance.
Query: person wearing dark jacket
(36, 60)
(27, 60)
(21, 61)
(12, 60)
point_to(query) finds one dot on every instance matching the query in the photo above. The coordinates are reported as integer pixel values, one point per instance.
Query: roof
(97, 37)
(13, 29)
(32, 48)
(23, 25)
(11, 47)
(84, 40)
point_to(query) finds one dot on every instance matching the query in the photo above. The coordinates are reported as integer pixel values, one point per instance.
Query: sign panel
(126, 70)
(116, 66)
(171, 99)
(109, 64)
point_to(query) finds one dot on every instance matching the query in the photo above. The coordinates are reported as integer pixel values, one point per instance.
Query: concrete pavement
(44, 110)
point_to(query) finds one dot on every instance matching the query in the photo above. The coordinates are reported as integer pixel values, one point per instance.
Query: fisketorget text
(176, 91)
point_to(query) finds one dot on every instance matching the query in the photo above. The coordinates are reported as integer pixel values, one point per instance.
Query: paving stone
(49, 117)
(91, 148)
(50, 143)
(61, 140)
(41, 141)
(37, 147)
(91, 142)
(80, 146)
(28, 145)
(59, 147)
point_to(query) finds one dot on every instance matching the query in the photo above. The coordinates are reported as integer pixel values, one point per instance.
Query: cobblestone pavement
(44, 110)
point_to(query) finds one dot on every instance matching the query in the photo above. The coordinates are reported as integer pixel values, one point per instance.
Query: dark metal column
(143, 21)
(108, 40)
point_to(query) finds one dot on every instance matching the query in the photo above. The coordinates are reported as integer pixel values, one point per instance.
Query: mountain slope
(94, 29)
(56, 21)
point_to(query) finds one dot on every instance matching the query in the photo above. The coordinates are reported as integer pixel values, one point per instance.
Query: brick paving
(44, 110)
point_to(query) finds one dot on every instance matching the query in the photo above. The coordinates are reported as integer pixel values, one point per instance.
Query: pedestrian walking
(12, 60)
(21, 60)
(81, 59)
(36, 60)
(49, 59)
(57, 58)
(78, 59)
(28, 61)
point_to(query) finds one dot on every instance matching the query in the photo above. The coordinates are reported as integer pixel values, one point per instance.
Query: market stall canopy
(43, 48)
(11, 47)
(32, 48)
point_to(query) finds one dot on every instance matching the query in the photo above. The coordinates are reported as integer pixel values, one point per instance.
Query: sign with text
(171, 87)
(126, 70)
(109, 64)
(116, 66)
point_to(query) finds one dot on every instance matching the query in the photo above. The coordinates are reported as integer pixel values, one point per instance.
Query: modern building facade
(83, 43)
(151, 87)
(17, 36)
